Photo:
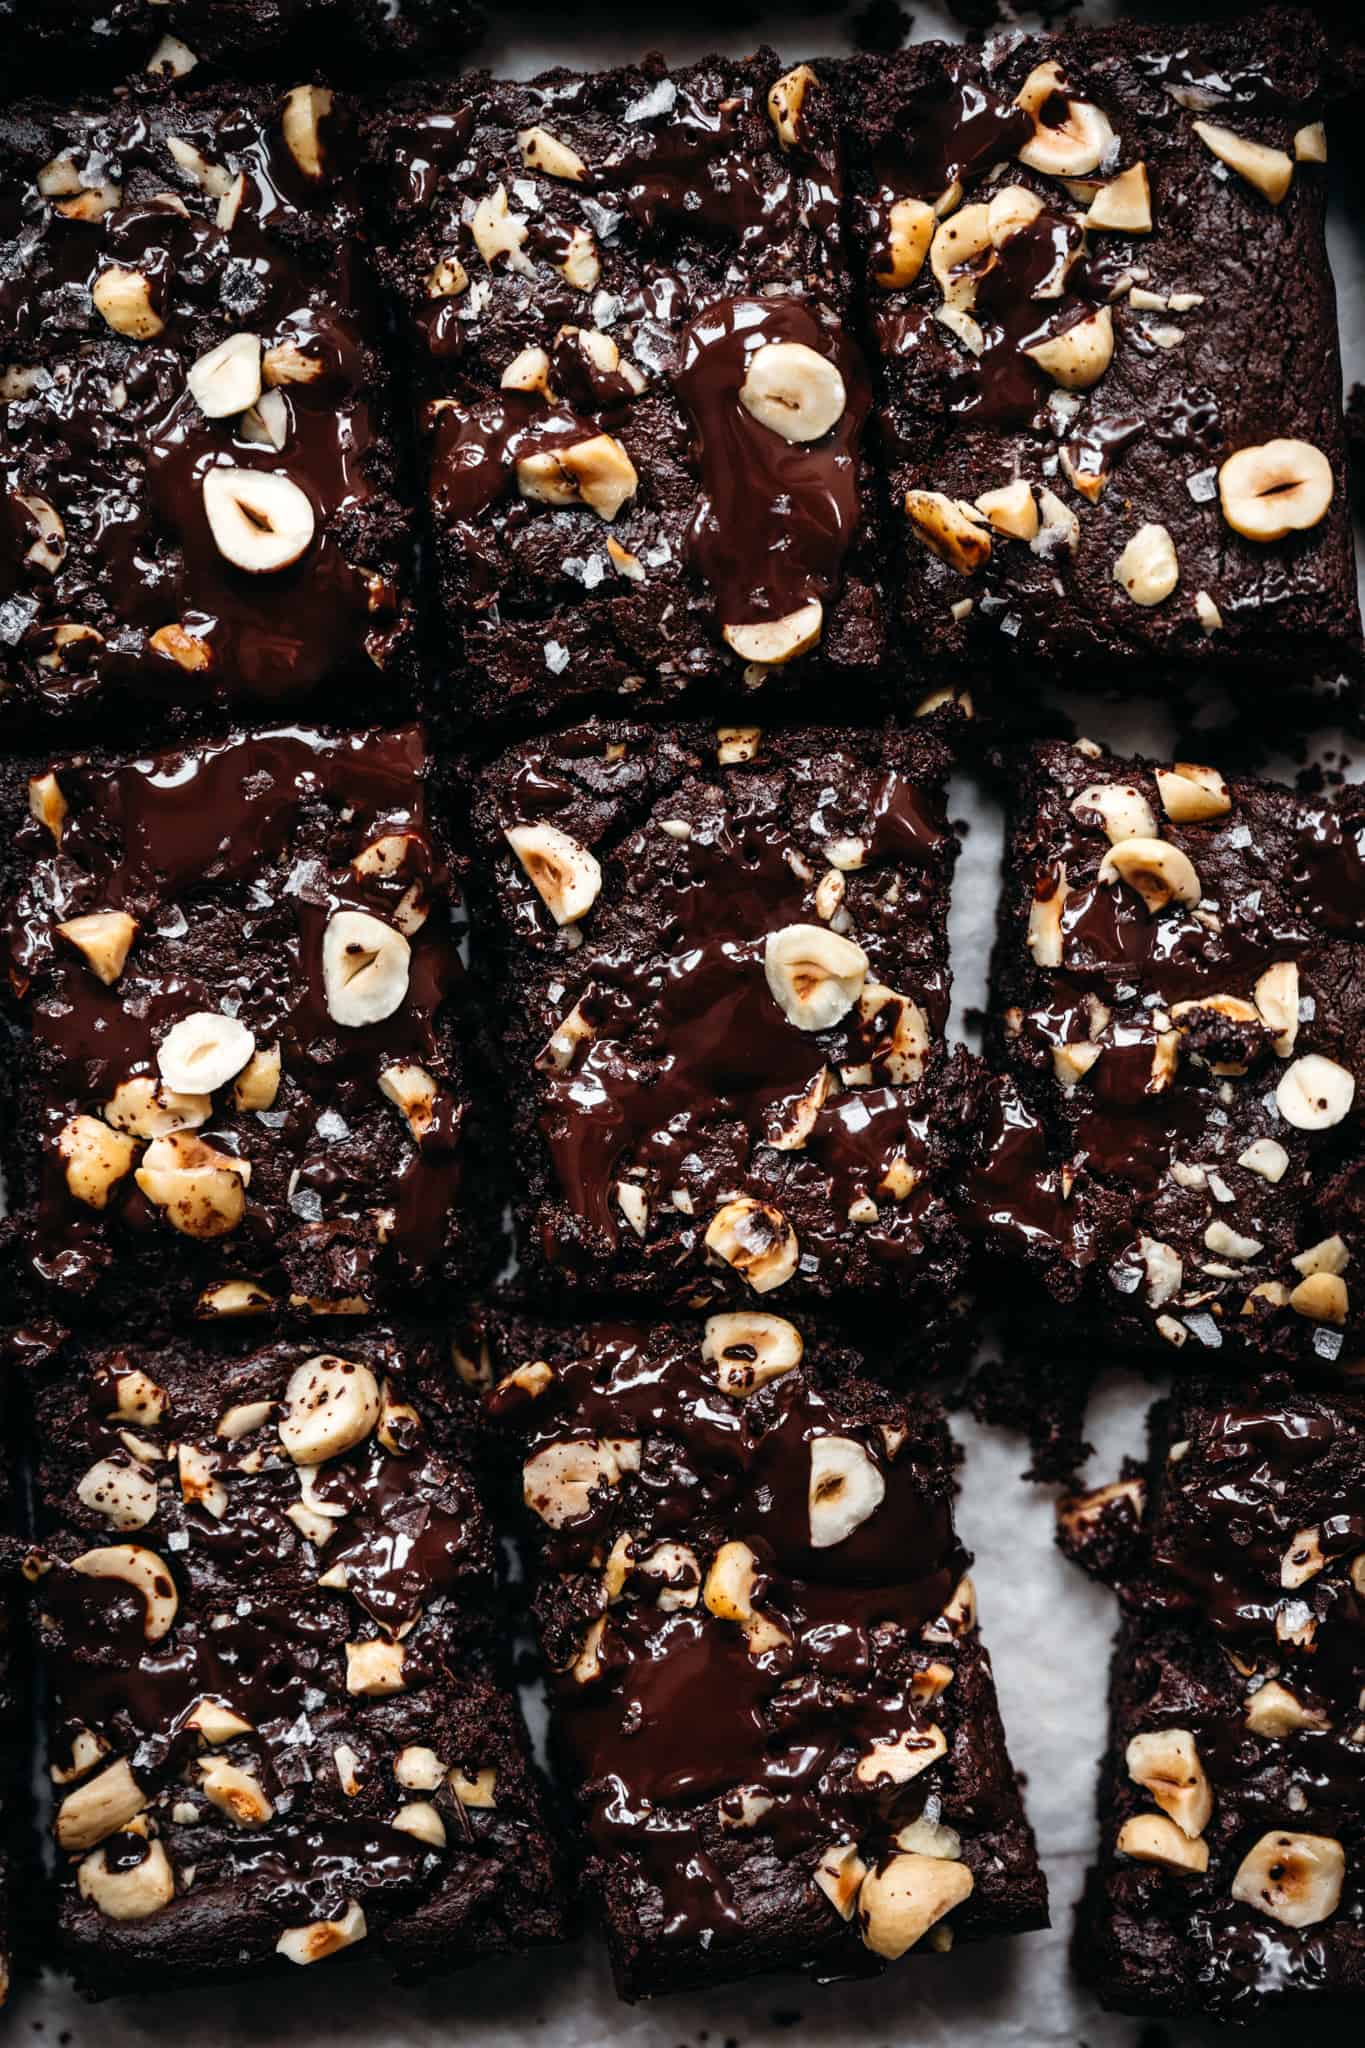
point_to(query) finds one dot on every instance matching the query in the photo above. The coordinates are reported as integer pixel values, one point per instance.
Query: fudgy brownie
(280, 1716)
(200, 478)
(1232, 1802)
(241, 1083)
(766, 1679)
(1179, 1010)
(647, 450)
(188, 38)
(720, 958)
(1107, 350)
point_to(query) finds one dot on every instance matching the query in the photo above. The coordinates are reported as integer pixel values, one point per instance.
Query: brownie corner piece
(1088, 259)
(1231, 1813)
(1178, 1013)
(721, 968)
(242, 1083)
(768, 1688)
(204, 502)
(281, 1722)
(629, 304)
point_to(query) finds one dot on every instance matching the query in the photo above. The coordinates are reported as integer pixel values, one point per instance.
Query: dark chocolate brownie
(280, 1717)
(195, 40)
(647, 461)
(200, 477)
(242, 1082)
(1107, 348)
(1179, 1010)
(720, 960)
(1231, 1878)
(766, 1679)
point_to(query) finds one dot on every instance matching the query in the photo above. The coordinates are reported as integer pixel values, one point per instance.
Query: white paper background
(1047, 1627)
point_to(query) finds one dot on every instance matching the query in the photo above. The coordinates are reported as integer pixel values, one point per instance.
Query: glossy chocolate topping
(232, 857)
(207, 213)
(692, 1735)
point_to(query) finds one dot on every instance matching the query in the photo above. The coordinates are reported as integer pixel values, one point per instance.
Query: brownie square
(1107, 352)
(192, 40)
(721, 975)
(647, 450)
(1179, 1012)
(1232, 1816)
(203, 505)
(280, 1719)
(241, 1084)
(767, 1685)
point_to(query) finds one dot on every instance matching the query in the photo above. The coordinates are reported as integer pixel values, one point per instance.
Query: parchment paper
(1048, 1629)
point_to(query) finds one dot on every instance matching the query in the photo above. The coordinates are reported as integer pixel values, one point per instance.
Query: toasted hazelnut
(374, 1668)
(1148, 568)
(1044, 938)
(1321, 1298)
(365, 967)
(215, 1723)
(756, 1240)
(497, 231)
(171, 58)
(305, 109)
(228, 379)
(123, 298)
(203, 1051)
(899, 1055)
(1159, 872)
(99, 1807)
(92, 204)
(95, 1159)
(1191, 794)
(260, 521)
(447, 279)
(902, 1757)
(284, 362)
(1277, 488)
(202, 1190)
(258, 1084)
(1011, 510)
(786, 98)
(558, 1483)
(46, 804)
(323, 1938)
(541, 151)
(331, 1404)
(566, 877)
(909, 232)
(211, 178)
(131, 1892)
(1121, 808)
(793, 390)
(773, 642)
(813, 975)
(907, 1895)
(418, 1769)
(421, 1819)
(1167, 1764)
(596, 472)
(236, 1793)
(954, 255)
(149, 1109)
(846, 1487)
(126, 1497)
(748, 1348)
(1271, 171)
(529, 371)
(728, 1594)
(1267, 1158)
(413, 1091)
(1295, 1879)
(1151, 1838)
(49, 550)
(1315, 1093)
(947, 531)
(1079, 355)
(140, 1399)
(1274, 1711)
(1329, 1255)
(1124, 205)
(186, 650)
(104, 938)
(86, 1749)
(1303, 1560)
(1012, 208)
(144, 1571)
(839, 1874)
(1310, 144)
(1071, 148)
(1277, 1001)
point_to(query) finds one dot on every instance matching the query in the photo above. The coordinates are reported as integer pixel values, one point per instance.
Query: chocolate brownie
(280, 1722)
(201, 493)
(1107, 350)
(647, 455)
(721, 975)
(1231, 1878)
(242, 1083)
(1179, 1011)
(192, 39)
(766, 1679)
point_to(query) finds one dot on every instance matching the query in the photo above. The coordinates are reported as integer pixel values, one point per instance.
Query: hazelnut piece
(1274, 1711)
(228, 379)
(47, 804)
(748, 1348)
(541, 151)
(236, 1793)
(907, 1895)
(125, 1496)
(566, 877)
(785, 100)
(1011, 509)
(374, 1668)
(99, 1807)
(846, 1487)
(1072, 147)
(1079, 356)
(203, 1051)
(261, 521)
(365, 966)
(95, 1159)
(131, 1892)
(1121, 808)
(1277, 1000)
(1151, 1838)
(144, 1571)
(1295, 1879)
(148, 1109)
(202, 1190)
(497, 231)
(259, 1081)
(559, 1481)
(1271, 171)
(1124, 205)
(1191, 794)
(814, 976)
(773, 642)
(331, 1404)
(793, 390)
(123, 298)
(958, 539)
(839, 1874)
(1159, 872)
(1315, 1093)
(1148, 568)
(756, 1240)
(305, 109)
(1277, 488)
(1167, 1764)
(323, 1938)
(909, 232)
(104, 938)
(1321, 1298)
